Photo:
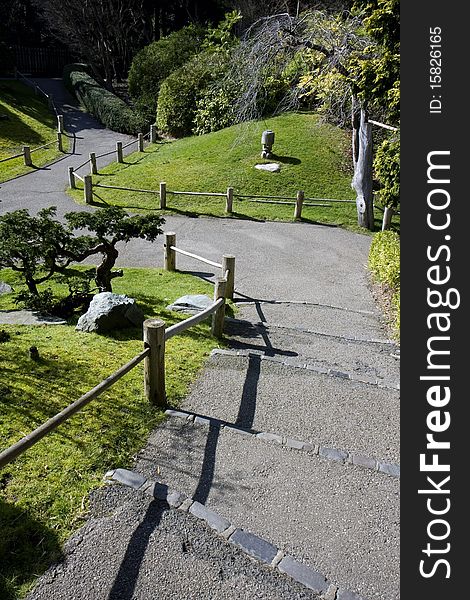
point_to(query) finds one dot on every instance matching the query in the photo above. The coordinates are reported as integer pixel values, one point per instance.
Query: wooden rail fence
(227, 265)
(155, 334)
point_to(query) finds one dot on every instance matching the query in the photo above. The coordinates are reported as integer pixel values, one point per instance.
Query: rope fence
(155, 334)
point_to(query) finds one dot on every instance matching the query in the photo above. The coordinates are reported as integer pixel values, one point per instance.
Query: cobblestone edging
(358, 311)
(296, 364)
(343, 456)
(247, 542)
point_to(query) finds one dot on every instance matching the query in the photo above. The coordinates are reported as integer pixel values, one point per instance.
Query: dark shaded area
(208, 464)
(287, 160)
(27, 547)
(126, 578)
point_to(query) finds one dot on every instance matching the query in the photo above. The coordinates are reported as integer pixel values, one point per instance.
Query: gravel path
(304, 300)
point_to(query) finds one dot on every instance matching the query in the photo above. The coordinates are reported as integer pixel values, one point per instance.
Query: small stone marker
(270, 167)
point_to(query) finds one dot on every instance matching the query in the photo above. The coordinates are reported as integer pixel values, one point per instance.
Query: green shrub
(384, 264)
(155, 62)
(180, 92)
(214, 109)
(110, 110)
(387, 170)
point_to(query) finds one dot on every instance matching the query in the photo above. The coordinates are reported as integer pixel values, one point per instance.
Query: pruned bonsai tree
(40, 247)
(107, 227)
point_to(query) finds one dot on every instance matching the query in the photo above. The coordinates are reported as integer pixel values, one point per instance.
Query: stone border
(289, 362)
(249, 543)
(342, 456)
(304, 303)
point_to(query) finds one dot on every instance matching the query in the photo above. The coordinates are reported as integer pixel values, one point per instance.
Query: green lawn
(26, 121)
(314, 157)
(43, 494)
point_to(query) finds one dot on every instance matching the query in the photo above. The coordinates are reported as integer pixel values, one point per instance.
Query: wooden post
(170, 255)
(60, 123)
(72, 178)
(218, 317)
(154, 364)
(229, 201)
(162, 194)
(119, 156)
(27, 156)
(140, 141)
(228, 264)
(60, 145)
(153, 134)
(298, 204)
(93, 167)
(88, 189)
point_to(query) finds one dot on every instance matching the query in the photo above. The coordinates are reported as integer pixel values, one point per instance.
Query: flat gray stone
(303, 574)
(28, 317)
(212, 518)
(254, 545)
(191, 303)
(333, 454)
(5, 288)
(129, 478)
(364, 461)
(270, 167)
(175, 498)
(389, 469)
(269, 437)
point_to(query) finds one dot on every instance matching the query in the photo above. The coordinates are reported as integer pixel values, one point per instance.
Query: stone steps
(340, 520)
(255, 393)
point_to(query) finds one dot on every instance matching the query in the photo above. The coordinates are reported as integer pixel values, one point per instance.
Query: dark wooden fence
(41, 62)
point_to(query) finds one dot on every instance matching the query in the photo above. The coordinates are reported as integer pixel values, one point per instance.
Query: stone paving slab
(340, 520)
(299, 403)
(28, 317)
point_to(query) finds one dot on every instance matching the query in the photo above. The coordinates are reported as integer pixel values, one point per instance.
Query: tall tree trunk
(362, 180)
(103, 271)
(387, 218)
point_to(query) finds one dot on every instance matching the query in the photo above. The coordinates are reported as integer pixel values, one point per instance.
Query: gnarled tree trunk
(362, 157)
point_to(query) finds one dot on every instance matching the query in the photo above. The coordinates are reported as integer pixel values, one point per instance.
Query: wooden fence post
(218, 317)
(298, 204)
(27, 156)
(60, 145)
(93, 167)
(119, 156)
(153, 134)
(387, 218)
(88, 189)
(140, 141)
(162, 194)
(170, 255)
(229, 201)
(228, 264)
(60, 123)
(72, 178)
(154, 364)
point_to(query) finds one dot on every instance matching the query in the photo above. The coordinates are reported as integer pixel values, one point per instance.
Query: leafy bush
(214, 109)
(384, 264)
(387, 169)
(180, 92)
(110, 110)
(155, 62)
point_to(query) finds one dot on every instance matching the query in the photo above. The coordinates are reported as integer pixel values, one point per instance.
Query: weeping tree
(321, 56)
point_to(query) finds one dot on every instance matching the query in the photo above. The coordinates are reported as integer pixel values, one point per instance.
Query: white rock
(271, 167)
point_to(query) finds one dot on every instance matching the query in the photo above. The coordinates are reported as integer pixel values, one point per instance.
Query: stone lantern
(267, 141)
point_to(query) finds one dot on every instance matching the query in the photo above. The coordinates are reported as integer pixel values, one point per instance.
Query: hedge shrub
(180, 92)
(384, 264)
(155, 62)
(110, 110)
